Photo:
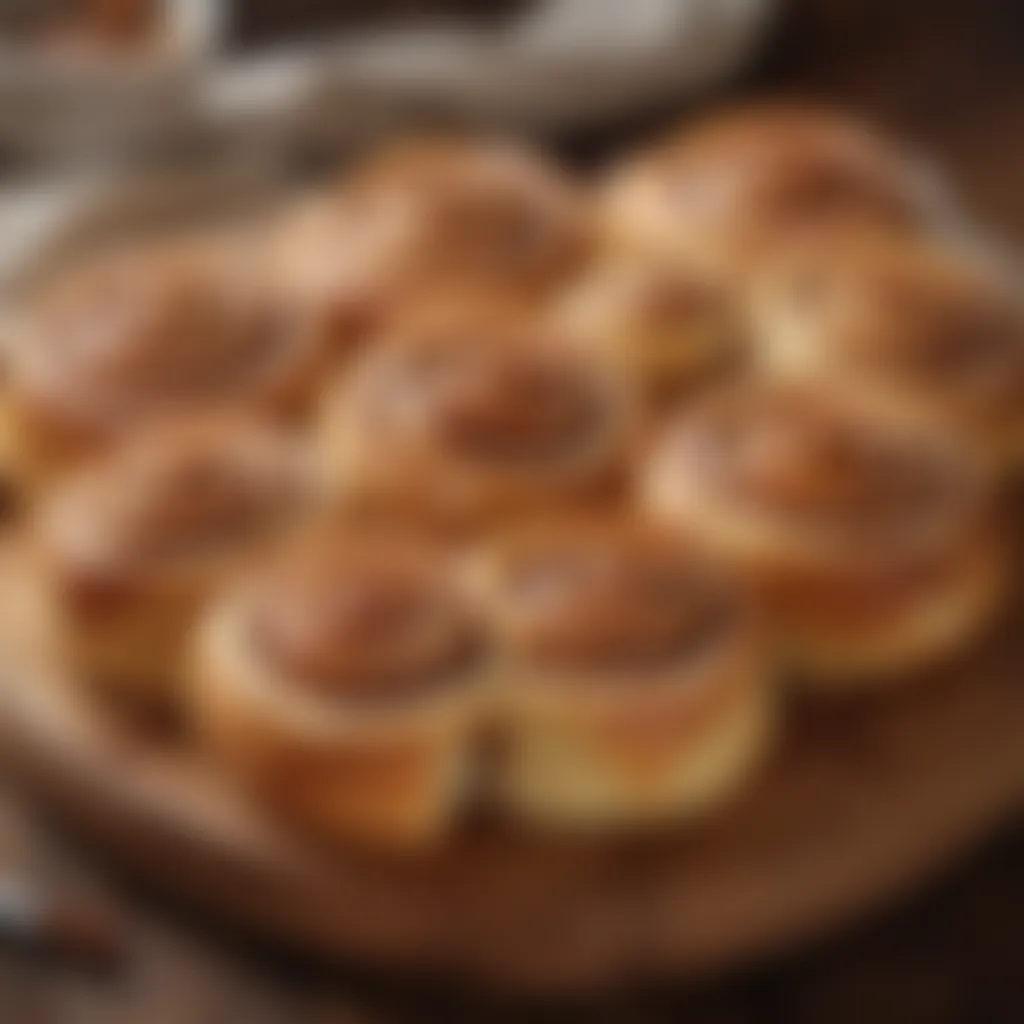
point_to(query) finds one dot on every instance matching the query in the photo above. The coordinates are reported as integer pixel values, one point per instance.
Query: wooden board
(862, 803)
(949, 73)
(863, 800)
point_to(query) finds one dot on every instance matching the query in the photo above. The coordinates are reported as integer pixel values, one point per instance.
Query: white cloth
(563, 63)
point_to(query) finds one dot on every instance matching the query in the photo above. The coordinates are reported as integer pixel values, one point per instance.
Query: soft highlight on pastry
(143, 333)
(635, 682)
(344, 683)
(445, 220)
(728, 192)
(129, 548)
(933, 329)
(666, 324)
(477, 422)
(871, 538)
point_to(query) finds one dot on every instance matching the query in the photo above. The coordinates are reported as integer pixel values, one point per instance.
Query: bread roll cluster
(469, 482)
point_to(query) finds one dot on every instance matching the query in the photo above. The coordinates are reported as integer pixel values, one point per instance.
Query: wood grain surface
(863, 798)
(948, 74)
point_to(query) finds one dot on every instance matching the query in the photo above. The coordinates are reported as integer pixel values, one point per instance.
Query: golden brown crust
(487, 372)
(664, 323)
(326, 259)
(635, 683)
(429, 222)
(477, 421)
(730, 191)
(857, 526)
(344, 684)
(477, 214)
(130, 547)
(147, 331)
(932, 328)
(363, 621)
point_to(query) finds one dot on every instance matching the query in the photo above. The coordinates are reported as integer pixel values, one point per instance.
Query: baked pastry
(465, 424)
(635, 684)
(729, 192)
(665, 324)
(939, 331)
(871, 539)
(446, 217)
(129, 547)
(609, 656)
(481, 213)
(144, 332)
(330, 258)
(343, 683)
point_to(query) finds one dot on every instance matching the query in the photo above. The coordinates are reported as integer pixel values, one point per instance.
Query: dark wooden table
(949, 73)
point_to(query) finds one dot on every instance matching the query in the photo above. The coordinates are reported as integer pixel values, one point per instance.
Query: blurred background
(97, 93)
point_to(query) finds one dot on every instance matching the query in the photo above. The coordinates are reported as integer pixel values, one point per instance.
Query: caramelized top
(825, 471)
(767, 173)
(462, 212)
(178, 495)
(365, 618)
(607, 597)
(933, 320)
(499, 401)
(141, 332)
(653, 309)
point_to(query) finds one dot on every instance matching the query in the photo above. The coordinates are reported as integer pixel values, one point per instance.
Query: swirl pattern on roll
(362, 622)
(607, 600)
(145, 332)
(929, 327)
(476, 421)
(728, 193)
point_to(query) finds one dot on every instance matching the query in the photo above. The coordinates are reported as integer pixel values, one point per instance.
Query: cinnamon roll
(129, 547)
(142, 332)
(635, 685)
(730, 191)
(475, 423)
(342, 684)
(935, 329)
(664, 324)
(445, 216)
(871, 539)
